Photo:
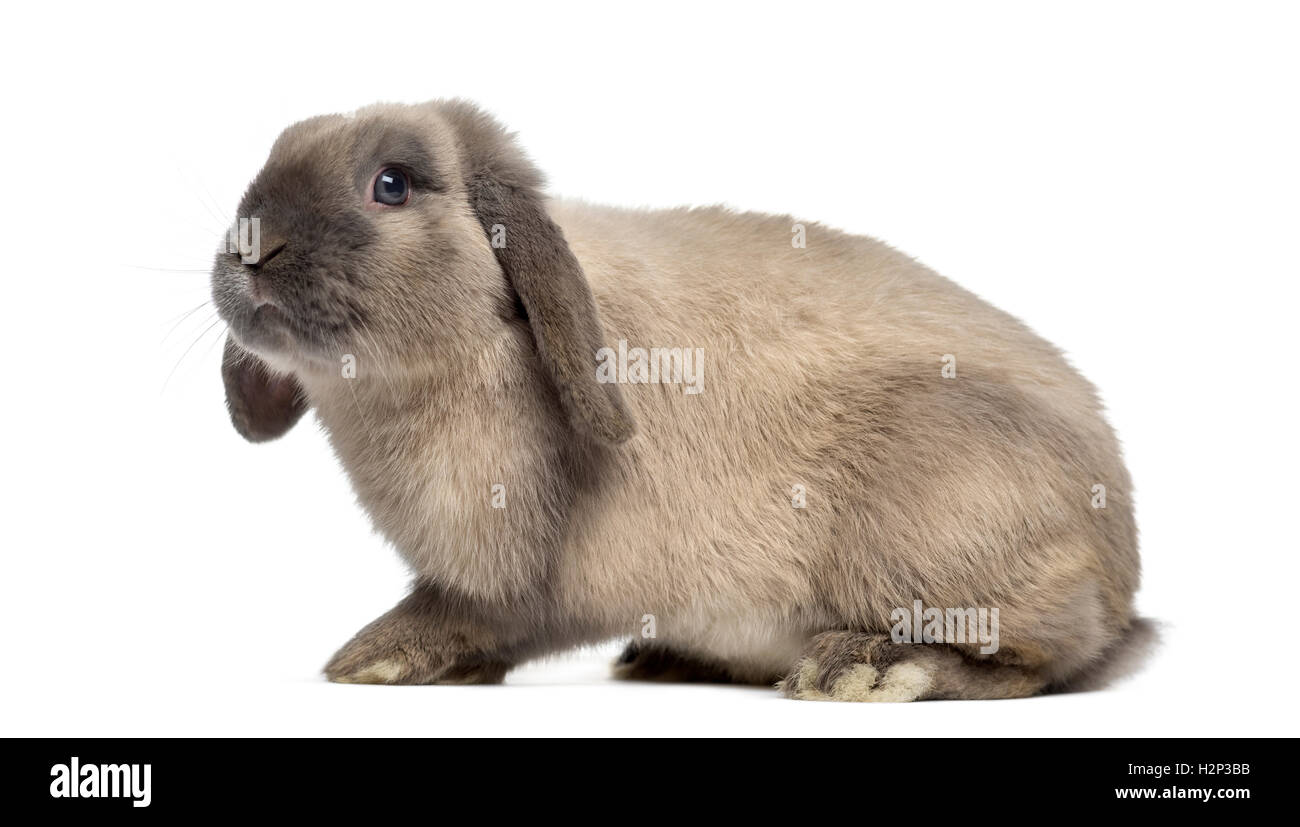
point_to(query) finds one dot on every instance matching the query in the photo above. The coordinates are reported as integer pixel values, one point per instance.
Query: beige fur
(822, 369)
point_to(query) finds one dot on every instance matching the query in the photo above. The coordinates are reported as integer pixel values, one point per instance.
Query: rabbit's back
(865, 433)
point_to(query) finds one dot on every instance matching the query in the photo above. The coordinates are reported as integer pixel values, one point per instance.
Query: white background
(1122, 176)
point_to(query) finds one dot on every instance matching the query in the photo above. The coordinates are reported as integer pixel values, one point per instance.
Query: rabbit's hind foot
(869, 667)
(646, 661)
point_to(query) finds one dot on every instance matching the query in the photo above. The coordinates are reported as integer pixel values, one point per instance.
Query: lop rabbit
(753, 457)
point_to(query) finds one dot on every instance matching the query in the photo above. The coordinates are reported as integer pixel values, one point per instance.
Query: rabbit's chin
(264, 328)
(267, 332)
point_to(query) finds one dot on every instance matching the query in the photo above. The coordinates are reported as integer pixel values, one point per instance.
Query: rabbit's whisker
(356, 404)
(205, 323)
(368, 343)
(205, 332)
(182, 270)
(204, 197)
(186, 315)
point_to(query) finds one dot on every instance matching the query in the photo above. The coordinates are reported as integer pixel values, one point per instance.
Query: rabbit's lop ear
(262, 404)
(504, 189)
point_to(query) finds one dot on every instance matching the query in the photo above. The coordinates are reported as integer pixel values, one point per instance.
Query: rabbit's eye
(391, 187)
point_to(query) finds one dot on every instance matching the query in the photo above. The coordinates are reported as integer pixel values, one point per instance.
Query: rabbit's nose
(266, 256)
(253, 243)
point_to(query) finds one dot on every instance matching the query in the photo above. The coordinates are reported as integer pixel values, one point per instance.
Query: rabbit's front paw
(403, 648)
(348, 667)
(370, 660)
(375, 658)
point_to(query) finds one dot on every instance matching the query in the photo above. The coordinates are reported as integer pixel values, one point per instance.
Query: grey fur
(475, 369)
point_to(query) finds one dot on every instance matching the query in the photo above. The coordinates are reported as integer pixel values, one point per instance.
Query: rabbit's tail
(1119, 660)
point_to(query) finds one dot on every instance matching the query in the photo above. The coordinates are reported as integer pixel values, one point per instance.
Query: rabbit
(859, 436)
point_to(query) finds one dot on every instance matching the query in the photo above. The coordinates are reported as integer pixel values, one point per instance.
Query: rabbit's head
(410, 234)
